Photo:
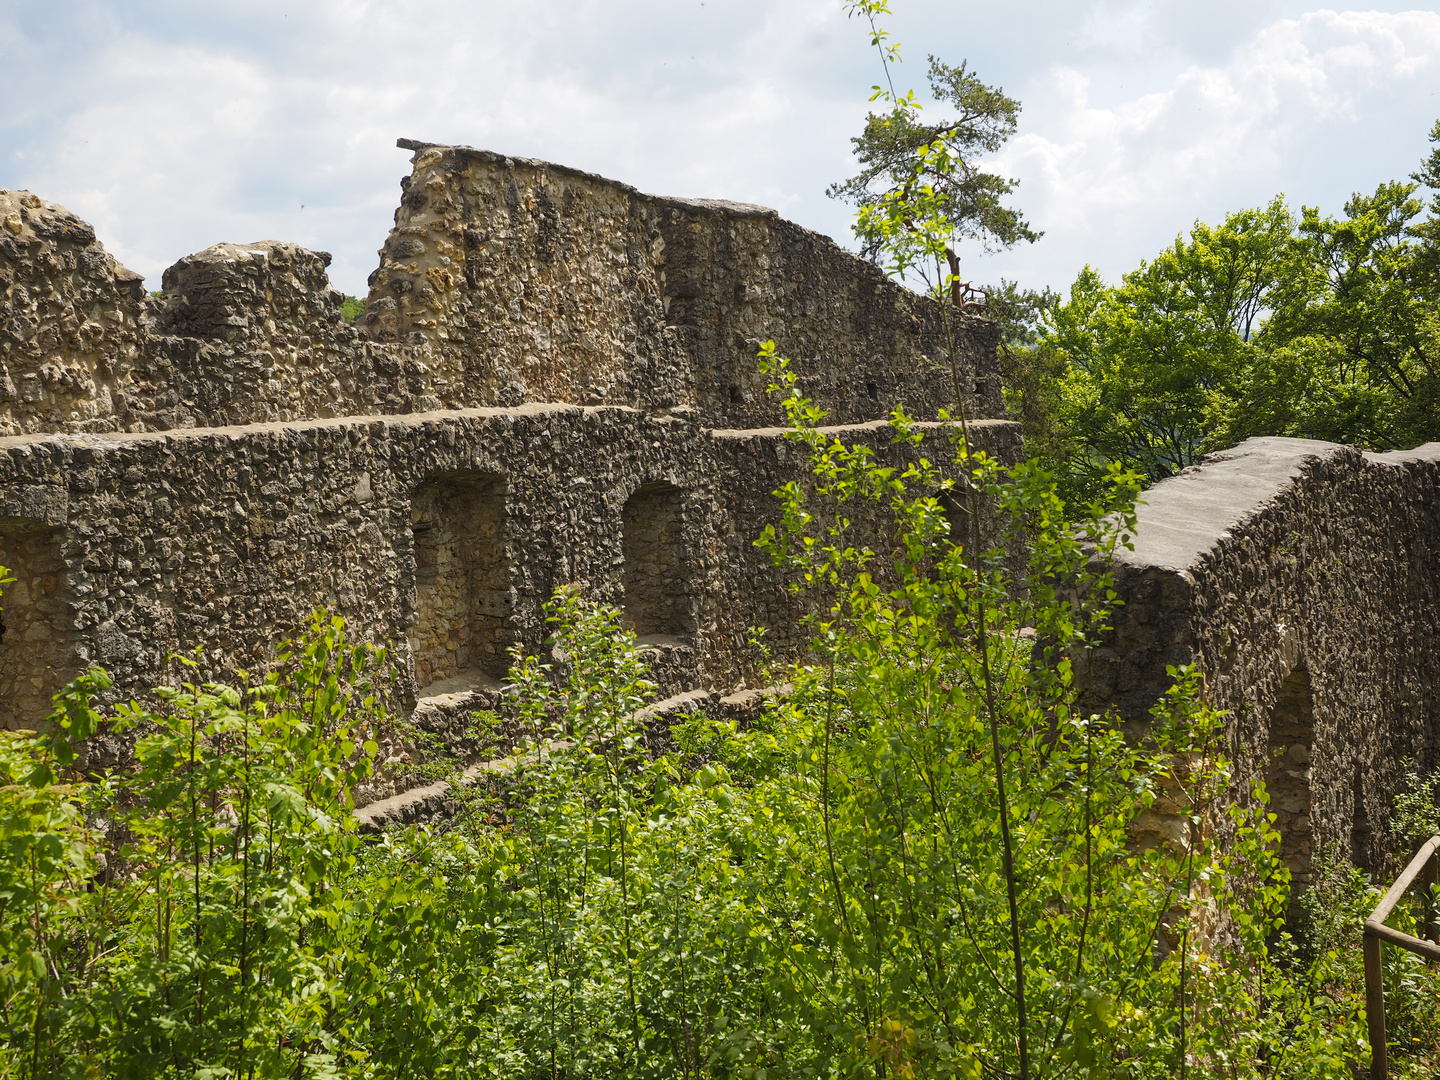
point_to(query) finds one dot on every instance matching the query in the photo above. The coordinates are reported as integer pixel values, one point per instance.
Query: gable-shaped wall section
(1282, 549)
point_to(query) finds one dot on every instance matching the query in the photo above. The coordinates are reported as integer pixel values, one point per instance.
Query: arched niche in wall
(955, 512)
(37, 628)
(1362, 833)
(1287, 777)
(657, 578)
(463, 598)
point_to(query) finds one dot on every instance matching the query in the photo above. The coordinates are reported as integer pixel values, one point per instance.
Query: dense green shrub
(177, 915)
(352, 307)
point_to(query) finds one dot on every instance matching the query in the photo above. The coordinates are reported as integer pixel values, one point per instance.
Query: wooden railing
(1376, 931)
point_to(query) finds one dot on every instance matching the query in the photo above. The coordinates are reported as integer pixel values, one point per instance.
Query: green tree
(921, 188)
(1351, 350)
(352, 307)
(1317, 327)
(1146, 372)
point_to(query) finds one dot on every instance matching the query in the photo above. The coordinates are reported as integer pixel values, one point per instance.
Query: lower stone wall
(1302, 577)
(136, 546)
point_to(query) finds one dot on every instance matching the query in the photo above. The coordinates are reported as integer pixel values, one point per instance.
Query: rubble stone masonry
(1304, 580)
(554, 383)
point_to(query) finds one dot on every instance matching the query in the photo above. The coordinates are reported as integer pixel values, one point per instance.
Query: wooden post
(1428, 882)
(1376, 931)
(1375, 1008)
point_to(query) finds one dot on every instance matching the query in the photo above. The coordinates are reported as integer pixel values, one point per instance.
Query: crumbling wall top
(496, 160)
(231, 292)
(505, 280)
(69, 320)
(1181, 520)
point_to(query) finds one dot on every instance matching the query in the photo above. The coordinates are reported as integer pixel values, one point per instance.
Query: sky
(172, 125)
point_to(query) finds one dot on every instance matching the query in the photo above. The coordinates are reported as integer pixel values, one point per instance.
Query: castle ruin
(554, 382)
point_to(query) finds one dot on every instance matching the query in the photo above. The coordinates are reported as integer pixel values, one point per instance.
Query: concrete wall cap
(1183, 518)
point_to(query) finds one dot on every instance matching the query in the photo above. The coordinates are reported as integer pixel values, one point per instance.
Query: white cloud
(1221, 137)
(188, 135)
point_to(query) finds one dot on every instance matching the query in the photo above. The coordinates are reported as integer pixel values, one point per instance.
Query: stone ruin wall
(1304, 579)
(71, 335)
(227, 538)
(531, 281)
(505, 281)
(554, 383)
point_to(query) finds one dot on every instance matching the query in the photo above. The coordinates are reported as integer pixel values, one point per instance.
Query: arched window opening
(657, 596)
(463, 603)
(1292, 739)
(37, 630)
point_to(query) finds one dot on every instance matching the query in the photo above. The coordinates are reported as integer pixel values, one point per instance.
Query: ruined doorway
(463, 599)
(37, 631)
(1287, 778)
(657, 596)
